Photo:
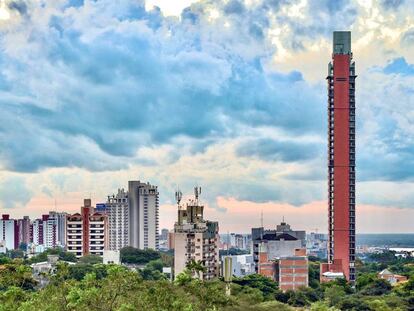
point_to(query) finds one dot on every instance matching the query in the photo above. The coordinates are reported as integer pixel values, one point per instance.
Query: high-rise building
(9, 232)
(49, 231)
(25, 233)
(87, 232)
(341, 158)
(60, 220)
(196, 239)
(37, 232)
(143, 215)
(117, 210)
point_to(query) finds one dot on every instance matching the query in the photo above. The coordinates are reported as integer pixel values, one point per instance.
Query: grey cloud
(14, 192)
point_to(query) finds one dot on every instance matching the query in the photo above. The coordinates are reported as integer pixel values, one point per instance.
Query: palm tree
(196, 267)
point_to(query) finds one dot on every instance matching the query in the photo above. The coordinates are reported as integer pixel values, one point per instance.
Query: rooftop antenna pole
(261, 219)
(197, 192)
(178, 197)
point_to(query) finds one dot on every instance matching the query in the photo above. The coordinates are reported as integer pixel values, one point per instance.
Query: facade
(341, 158)
(117, 210)
(290, 272)
(37, 232)
(241, 265)
(293, 272)
(283, 227)
(25, 230)
(275, 246)
(60, 222)
(49, 231)
(143, 215)
(9, 232)
(87, 232)
(196, 239)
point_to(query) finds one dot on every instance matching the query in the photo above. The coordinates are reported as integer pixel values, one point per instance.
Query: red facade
(341, 158)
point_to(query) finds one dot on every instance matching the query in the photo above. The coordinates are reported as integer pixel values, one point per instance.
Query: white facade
(117, 210)
(60, 227)
(242, 265)
(111, 257)
(8, 233)
(37, 232)
(143, 215)
(50, 233)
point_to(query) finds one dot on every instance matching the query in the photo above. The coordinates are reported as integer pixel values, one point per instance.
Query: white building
(143, 215)
(8, 232)
(117, 210)
(242, 265)
(60, 221)
(37, 231)
(49, 232)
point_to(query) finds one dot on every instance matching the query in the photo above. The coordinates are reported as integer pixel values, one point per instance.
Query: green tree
(90, 259)
(334, 295)
(133, 255)
(377, 288)
(264, 284)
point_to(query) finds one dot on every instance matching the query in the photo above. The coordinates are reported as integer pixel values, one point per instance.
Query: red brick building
(341, 159)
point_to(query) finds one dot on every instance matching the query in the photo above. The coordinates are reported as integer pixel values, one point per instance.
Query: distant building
(100, 207)
(284, 227)
(143, 215)
(87, 232)
(111, 257)
(164, 234)
(9, 232)
(196, 239)
(394, 279)
(37, 232)
(276, 245)
(24, 227)
(242, 265)
(291, 272)
(117, 209)
(171, 240)
(60, 222)
(49, 231)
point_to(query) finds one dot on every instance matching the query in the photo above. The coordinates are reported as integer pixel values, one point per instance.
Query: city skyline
(175, 101)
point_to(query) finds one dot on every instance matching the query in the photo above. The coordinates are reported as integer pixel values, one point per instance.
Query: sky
(229, 95)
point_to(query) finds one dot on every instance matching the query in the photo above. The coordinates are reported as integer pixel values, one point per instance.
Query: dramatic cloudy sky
(226, 94)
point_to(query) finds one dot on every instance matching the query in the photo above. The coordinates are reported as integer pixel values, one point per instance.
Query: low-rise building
(394, 279)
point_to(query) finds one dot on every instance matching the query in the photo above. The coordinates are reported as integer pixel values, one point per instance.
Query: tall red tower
(341, 159)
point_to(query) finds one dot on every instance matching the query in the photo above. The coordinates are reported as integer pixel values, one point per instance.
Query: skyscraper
(143, 215)
(341, 159)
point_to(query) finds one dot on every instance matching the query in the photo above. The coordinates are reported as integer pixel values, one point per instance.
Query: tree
(264, 284)
(334, 295)
(377, 288)
(196, 267)
(353, 303)
(133, 255)
(90, 259)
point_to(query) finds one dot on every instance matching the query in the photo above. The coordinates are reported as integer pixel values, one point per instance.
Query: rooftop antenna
(178, 197)
(261, 219)
(197, 192)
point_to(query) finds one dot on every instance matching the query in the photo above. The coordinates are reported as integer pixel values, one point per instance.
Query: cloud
(230, 95)
(14, 192)
(286, 151)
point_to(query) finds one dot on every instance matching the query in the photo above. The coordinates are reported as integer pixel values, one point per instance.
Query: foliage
(131, 255)
(90, 259)
(66, 256)
(153, 271)
(262, 283)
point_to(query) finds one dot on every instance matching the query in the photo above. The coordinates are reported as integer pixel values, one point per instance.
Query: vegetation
(90, 285)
